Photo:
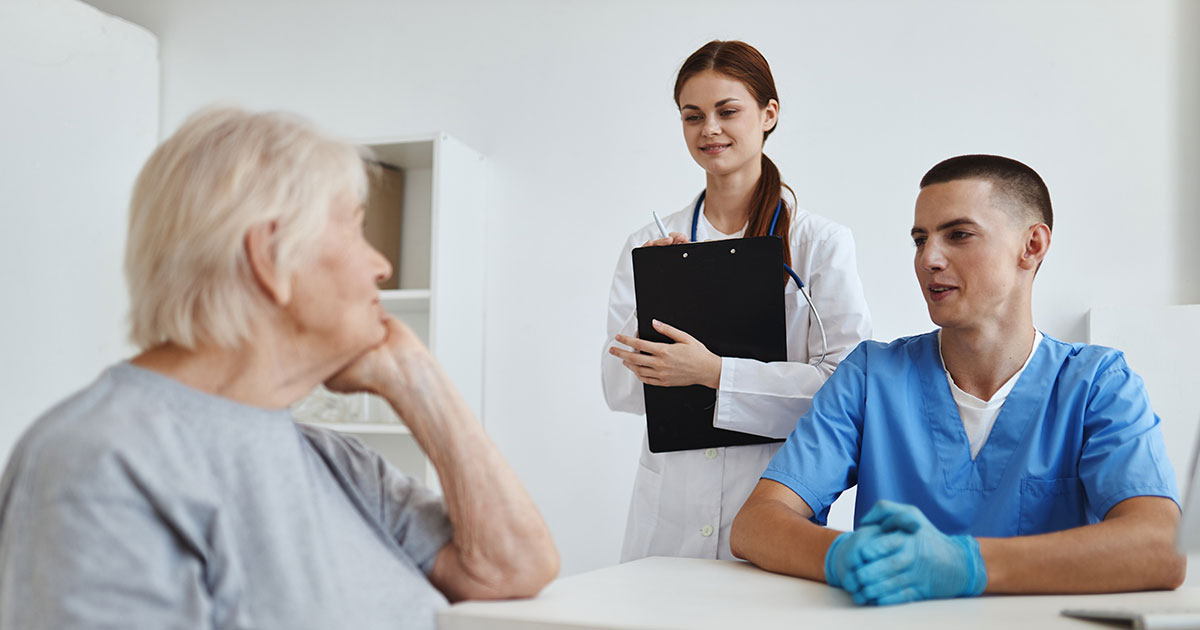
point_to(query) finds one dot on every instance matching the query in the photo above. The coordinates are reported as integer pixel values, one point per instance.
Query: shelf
(405, 300)
(380, 428)
(426, 215)
(404, 153)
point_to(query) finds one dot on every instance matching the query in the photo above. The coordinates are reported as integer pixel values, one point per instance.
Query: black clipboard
(728, 295)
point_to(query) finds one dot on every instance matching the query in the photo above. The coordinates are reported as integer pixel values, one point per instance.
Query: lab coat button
(706, 531)
(711, 453)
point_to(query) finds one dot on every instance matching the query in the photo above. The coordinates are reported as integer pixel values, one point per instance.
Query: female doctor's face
(723, 124)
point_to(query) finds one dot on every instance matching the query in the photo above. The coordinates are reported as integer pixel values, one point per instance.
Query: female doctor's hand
(685, 362)
(675, 238)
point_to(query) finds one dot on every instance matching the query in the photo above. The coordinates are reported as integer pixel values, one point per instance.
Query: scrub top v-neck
(1075, 436)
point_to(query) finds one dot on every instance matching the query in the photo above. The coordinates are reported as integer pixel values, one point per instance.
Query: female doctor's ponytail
(741, 61)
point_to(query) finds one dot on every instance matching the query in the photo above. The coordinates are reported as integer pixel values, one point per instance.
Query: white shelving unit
(437, 285)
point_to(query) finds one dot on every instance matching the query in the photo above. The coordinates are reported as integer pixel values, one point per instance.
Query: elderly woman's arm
(501, 546)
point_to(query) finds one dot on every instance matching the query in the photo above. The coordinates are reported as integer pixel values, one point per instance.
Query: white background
(571, 104)
(78, 106)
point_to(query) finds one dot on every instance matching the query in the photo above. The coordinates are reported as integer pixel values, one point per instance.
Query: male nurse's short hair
(1020, 185)
(224, 171)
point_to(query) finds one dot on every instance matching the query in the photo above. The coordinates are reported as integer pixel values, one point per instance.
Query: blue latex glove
(911, 560)
(845, 554)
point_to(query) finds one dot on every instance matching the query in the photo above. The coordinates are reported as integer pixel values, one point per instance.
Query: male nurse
(989, 457)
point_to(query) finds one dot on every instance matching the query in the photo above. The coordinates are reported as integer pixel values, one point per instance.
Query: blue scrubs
(1075, 437)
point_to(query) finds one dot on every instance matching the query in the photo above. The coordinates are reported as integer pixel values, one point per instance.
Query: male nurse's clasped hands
(898, 556)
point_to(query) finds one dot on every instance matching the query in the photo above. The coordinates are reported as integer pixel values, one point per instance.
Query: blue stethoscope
(771, 232)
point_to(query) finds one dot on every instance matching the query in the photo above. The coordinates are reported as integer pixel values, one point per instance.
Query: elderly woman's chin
(357, 338)
(328, 334)
(379, 327)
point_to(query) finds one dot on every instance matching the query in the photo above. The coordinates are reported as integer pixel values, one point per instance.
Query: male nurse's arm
(773, 531)
(1132, 549)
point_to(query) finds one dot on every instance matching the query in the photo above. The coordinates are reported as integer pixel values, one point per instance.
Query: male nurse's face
(968, 251)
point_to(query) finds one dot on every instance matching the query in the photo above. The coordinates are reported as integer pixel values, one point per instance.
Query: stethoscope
(771, 232)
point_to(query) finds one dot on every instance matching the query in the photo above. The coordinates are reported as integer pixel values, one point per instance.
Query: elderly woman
(176, 490)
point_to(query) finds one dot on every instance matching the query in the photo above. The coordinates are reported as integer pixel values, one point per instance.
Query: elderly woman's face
(336, 300)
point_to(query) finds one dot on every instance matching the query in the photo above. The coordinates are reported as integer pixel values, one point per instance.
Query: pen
(661, 228)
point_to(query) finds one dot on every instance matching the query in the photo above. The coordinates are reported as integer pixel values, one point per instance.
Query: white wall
(78, 116)
(571, 102)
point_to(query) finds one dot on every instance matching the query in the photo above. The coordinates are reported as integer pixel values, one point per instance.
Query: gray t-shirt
(142, 503)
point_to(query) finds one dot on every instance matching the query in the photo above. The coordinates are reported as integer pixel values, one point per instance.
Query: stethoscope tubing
(800, 285)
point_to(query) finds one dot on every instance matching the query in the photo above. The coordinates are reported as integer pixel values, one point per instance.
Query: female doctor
(684, 502)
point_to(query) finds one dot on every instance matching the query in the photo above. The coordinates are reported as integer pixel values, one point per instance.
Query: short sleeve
(1123, 452)
(819, 460)
(76, 562)
(409, 514)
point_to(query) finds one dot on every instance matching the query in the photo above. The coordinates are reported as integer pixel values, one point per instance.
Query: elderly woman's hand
(501, 546)
(378, 369)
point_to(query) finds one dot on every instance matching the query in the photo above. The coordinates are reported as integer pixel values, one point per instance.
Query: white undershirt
(978, 416)
(717, 235)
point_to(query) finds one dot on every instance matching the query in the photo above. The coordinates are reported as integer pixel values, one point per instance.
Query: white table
(689, 593)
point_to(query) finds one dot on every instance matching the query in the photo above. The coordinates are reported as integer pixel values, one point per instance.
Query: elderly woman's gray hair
(224, 171)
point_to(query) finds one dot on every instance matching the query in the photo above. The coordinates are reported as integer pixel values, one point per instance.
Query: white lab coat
(684, 502)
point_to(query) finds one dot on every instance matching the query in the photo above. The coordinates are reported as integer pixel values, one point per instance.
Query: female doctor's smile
(723, 124)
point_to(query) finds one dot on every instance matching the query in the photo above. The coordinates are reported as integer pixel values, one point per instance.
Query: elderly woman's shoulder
(89, 419)
(127, 429)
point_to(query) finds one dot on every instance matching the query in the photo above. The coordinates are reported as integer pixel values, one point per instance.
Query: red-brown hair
(741, 61)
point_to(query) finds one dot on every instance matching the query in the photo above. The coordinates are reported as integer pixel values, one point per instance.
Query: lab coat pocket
(1050, 505)
(791, 302)
(644, 514)
(796, 319)
(647, 490)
